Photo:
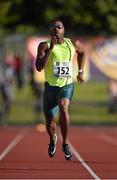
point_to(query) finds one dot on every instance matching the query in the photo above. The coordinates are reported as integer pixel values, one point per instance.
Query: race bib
(62, 69)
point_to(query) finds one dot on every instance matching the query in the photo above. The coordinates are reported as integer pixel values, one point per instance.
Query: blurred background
(23, 24)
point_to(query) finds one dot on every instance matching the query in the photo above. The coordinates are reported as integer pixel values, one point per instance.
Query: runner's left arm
(81, 56)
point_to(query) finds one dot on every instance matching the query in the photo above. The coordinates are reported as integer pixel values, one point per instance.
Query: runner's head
(57, 29)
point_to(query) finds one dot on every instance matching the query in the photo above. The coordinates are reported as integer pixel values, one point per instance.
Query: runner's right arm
(43, 53)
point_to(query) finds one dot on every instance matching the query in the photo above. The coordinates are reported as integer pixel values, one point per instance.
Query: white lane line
(108, 139)
(13, 143)
(85, 165)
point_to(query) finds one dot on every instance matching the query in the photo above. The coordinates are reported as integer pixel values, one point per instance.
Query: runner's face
(57, 29)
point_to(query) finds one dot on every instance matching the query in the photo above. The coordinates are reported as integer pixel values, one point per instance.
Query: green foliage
(81, 16)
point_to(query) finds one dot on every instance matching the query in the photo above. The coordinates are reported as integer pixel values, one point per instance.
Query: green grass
(91, 91)
(91, 115)
(88, 106)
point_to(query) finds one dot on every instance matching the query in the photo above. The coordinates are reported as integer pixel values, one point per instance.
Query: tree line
(83, 17)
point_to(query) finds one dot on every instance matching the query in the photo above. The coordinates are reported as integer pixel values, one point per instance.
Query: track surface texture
(23, 154)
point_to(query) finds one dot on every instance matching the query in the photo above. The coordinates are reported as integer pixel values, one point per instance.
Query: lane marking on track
(84, 164)
(13, 143)
(108, 139)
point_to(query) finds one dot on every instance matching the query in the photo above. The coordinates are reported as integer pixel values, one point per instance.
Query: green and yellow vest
(58, 71)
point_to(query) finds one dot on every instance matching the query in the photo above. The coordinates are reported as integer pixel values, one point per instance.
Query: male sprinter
(55, 57)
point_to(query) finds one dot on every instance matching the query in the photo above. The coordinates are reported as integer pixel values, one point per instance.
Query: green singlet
(58, 71)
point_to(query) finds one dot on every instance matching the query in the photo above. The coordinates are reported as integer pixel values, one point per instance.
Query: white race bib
(62, 69)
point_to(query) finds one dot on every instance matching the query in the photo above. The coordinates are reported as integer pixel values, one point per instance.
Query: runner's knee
(63, 108)
(63, 105)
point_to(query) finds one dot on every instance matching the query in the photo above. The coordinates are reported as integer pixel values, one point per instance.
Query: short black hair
(54, 20)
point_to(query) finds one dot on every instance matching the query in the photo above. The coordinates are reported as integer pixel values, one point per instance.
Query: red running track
(23, 154)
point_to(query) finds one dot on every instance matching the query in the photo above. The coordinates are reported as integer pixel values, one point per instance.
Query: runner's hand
(80, 78)
(53, 42)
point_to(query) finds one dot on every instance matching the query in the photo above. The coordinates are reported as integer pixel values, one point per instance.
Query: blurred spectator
(18, 70)
(31, 70)
(37, 89)
(6, 80)
(112, 88)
